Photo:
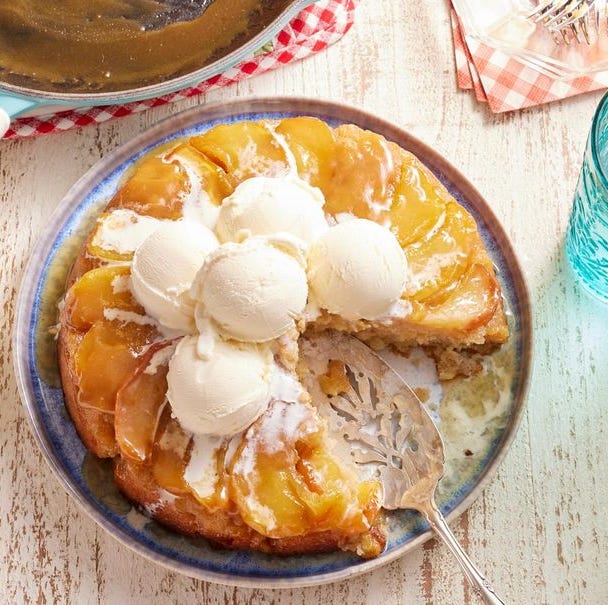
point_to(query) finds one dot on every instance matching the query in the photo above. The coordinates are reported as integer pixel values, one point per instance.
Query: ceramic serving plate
(478, 417)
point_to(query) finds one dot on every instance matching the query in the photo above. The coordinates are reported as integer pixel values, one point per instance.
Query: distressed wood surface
(540, 531)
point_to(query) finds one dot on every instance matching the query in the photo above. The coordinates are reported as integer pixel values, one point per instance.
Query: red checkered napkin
(505, 83)
(314, 29)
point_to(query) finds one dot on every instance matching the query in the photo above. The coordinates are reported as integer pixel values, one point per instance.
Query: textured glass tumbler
(587, 236)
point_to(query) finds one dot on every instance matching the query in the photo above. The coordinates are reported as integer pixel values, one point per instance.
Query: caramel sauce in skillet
(80, 46)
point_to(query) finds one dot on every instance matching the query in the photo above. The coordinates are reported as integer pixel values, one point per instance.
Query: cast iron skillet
(18, 99)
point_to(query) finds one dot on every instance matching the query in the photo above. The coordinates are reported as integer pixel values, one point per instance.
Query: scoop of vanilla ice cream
(357, 269)
(263, 206)
(164, 266)
(221, 394)
(253, 291)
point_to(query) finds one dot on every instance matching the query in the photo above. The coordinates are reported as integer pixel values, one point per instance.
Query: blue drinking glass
(587, 235)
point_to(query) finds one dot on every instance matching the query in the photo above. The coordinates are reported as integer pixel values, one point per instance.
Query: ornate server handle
(480, 585)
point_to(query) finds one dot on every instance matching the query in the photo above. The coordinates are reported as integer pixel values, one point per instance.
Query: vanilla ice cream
(357, 269)
(263, 206)
(164, 266)
(253, 291)
(123, 230)
(222, 394)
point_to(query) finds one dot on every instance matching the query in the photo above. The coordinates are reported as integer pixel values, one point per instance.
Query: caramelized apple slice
(102, 288)
(243, 150)
(138, 404)
(206, 472)
(214, 182)
(286, 483)
(170, 454)
(312, 143)
(471, 304)
(101, 439)
(365, 174)
(438, 261)
(155, 189)
(106, 358)
(419, 205)
(107, 255)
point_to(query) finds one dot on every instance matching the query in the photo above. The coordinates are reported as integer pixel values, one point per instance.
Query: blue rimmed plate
(495, 404)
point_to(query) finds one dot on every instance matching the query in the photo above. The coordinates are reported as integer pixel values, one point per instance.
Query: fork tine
(549, 9)
(576, 8)
(575, 32)
(572, 19)
(540, 8)
(575, 17)
(562, 6)
(585, 29)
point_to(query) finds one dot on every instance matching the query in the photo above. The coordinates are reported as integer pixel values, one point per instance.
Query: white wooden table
(540, 531)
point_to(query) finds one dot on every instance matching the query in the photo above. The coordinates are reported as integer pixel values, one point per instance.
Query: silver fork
(567, 19)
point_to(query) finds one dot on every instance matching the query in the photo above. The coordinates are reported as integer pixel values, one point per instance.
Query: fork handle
(480, 585)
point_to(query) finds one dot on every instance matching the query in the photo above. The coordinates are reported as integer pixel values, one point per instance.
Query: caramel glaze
(81, 46)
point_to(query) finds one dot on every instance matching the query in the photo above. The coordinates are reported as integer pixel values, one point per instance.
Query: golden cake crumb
(334, 381)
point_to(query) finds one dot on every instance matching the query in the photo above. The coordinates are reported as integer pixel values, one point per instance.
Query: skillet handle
(11, 107)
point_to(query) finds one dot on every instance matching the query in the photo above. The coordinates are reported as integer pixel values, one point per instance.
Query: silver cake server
(387, 430)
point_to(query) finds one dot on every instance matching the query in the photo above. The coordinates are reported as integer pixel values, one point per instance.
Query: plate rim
(230, 109)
